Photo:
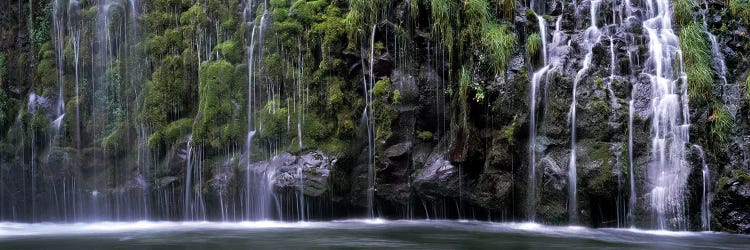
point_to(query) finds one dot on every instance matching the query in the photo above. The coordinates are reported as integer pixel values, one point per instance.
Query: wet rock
(309, 171)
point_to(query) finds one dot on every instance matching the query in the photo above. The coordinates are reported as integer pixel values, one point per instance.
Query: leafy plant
(721, 123)
(697, 55)
(500, 41)
(533, 44)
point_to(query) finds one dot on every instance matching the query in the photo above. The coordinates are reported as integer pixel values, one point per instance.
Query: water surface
(349, 234)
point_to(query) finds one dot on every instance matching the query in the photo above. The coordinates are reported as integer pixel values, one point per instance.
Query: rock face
(309, 172)
(733, 198)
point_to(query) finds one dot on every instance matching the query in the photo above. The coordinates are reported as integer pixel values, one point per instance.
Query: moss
(533, 44)
(382, 88)
(747, 88)
(114, 142)
(396, 97)
(508, 133)
(721, 123)
(177, 130)
(215, 107)
(231, 51)
(334, 96)
(425, 135)
(500, 42)
(697, 55)
(40, 123)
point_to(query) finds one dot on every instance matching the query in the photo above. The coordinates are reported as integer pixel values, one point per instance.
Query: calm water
(348, 234)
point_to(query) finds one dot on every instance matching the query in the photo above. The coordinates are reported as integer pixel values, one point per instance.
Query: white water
(531, 193)
(706, 191)
(534, 89)
(668, 169)
(592, 35)
(631, 174)
(371, 130)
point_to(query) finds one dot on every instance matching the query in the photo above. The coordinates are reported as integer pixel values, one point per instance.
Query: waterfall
(669, 129)
(706, 191)
(370, 130)
(535, 82)
(531, 193)
(592, 36)
(257, 191)
(58, 16)
(631, 173)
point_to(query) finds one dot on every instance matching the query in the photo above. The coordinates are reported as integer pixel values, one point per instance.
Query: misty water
(345, 234)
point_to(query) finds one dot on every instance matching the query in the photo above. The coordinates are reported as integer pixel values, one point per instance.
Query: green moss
(533, 44)
(396, 97)
(508, 133)
(382, 88)
(40, 123)
(697, 59)
(500, 42)
(424, 135)
(114, 142)
(334, 96)
(747, 88)
(177, 130)
(194, 16)
(721, 123)
(215, 108)
(231, 51)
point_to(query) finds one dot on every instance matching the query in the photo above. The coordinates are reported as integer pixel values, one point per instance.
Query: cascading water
(668, 169)
(535, 83)
(370, 130)
(592, 35)
(705, 191)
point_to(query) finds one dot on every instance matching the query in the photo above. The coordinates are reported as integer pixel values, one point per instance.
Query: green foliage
(442, 16)
(41, 28)
(533, 44)
(424, 135)
(508, 133)
(463, 89)
(231, 51)
(383, 108)
(177, 130)
(683, 11)
(195, 16)
(114, 142)
(500, 42)
(747, 88)
(508, 6)
(40, 123)
(215, 125)
(167, 93)
(697, 55)
(396, 97)
(335, 98)
(476, 11)
(46, 71)
(740, 9)
(721, 123)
